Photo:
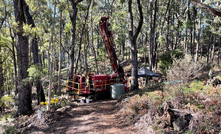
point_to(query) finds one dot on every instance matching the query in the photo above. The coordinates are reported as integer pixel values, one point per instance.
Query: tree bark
(210, 9)
(151, 37)
(208, 50)
(34, 46)
(145, 57)
(60, 58)
(154, 36)
(168, 30)
(1, 78)
(86, 44)
(14, 63)
(50, 64)
(1, 62)
(73, 18)
(219, 53)
(198, 38)
(185, 44)
(132, 41)
(213, 48)
(24, 88)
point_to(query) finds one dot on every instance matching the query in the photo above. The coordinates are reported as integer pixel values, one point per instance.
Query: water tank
(116, 90)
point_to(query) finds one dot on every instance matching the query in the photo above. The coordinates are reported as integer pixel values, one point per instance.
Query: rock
(71, 113)
(188, 117)
(66, 108)
(180, 124)
(167, 119)
(215, 82)
(30, 126)
(210, 74)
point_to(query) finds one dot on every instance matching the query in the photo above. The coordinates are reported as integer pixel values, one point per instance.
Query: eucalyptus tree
(61, 10)
(198, 34)
(132, 39)
(51, 64)
(73, 17)
(85, 18)
(24, 88)
(3, 16)
(152, 39)
(35, 50)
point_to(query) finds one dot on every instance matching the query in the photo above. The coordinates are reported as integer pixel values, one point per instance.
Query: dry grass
(201, 100)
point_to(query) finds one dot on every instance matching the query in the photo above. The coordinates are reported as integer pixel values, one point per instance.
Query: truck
(98, 85)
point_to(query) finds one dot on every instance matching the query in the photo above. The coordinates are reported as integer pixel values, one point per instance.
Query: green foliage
(166, 59)
(4, 41)
(156, 98)
(197, 85)
(194, 86)
(6, 99)
(10, 130)
(36, 72)
(189, 132)
(7, 118)
(161, 39)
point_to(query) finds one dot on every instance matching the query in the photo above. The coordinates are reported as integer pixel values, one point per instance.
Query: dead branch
(210, 9)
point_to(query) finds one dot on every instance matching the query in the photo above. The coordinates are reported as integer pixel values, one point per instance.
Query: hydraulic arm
(109, 43)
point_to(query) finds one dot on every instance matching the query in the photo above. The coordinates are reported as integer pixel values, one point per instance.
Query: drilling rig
(99, 84)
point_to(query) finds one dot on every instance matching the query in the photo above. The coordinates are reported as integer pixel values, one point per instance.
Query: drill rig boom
(109, 43)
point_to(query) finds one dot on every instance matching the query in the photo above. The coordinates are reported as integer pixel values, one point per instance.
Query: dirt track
(93, 118)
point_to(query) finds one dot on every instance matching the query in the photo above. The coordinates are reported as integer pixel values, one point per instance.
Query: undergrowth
(203, 101)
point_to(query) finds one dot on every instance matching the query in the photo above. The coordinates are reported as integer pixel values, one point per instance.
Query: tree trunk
(34, 43)
(132, 41)
(219, 53)
(1, 77)
(168, 30)
(154, 37)
(50, 64)
(194, 29)
(24, 89)
(186, 29)
(213, 48)
(86, 44)
(151, 37)
(208, 51)
(14, 62)
(60, 54)
(198, 38)
(98, 41)
(134, 76)
(177, 35)
(73, 21)
(191, 42)
(81, 37)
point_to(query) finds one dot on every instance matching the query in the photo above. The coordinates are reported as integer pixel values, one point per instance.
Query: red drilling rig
(99, 84)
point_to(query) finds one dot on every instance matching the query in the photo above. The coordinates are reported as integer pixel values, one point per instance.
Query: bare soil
(80, 118)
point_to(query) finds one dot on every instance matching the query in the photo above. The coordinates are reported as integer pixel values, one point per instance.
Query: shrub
(136, 105)
(166, 59)
(194, 86)
(7, 100)
(181, 70)
(10, 130)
